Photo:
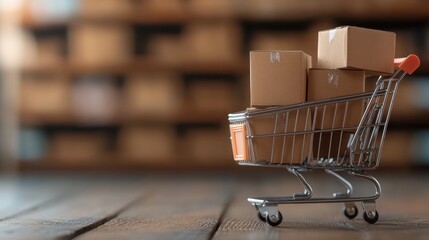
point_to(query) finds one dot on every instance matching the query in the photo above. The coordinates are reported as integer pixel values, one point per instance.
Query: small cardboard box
(325, 84)
(357, 48)
(278, 77)
(270, 149)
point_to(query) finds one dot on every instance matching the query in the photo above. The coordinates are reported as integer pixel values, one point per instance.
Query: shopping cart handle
(408, 64)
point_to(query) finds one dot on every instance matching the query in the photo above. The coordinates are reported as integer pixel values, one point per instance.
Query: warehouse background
(139, 84)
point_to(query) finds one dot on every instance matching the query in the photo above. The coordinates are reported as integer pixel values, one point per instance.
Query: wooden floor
(195, 205)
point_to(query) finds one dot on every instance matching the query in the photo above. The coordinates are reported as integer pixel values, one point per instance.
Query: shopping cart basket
(318, 135)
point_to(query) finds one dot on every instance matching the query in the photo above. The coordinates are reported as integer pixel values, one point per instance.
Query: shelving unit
(289, 26)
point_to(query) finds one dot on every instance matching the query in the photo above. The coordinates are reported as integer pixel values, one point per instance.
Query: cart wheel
(351, 212)
(261, 217)
(273, 220)
(371, 218)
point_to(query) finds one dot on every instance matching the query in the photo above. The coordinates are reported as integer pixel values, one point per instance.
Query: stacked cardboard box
(142, 91)
(346, 55)
(156, 144)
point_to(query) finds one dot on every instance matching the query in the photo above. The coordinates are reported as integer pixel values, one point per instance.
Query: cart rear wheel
(351, 212)
(371, 218)
(274, 220)
(261, 217)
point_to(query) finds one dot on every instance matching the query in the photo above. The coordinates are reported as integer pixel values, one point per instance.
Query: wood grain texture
(20, 194)
(90, 202)
(203, 206)
(178, 209)
(403, 213)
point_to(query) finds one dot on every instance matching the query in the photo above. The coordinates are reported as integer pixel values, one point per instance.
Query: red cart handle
(408, 64)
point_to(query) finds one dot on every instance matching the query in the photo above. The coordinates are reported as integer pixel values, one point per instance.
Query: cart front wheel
(261, 217)
(274, 220)
(351, 212)
(371, 217)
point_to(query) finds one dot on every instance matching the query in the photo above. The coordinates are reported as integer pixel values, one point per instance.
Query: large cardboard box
(325, 84)
(278, 77)
(281, 149)
(357, 48)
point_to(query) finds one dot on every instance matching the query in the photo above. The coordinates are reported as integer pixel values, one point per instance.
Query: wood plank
(179, 209)
(21, 194)
(403, 213)
(91, 202)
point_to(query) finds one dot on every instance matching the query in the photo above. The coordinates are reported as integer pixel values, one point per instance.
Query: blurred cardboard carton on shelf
(95, 98)
(78, 146)
(217, 41)
(162, 6)
(357, 48)
(207, 146)
(50, 51)
(166, 49)
(398, 149)
(212, 95)
(153, 95)
(330, 83)
(291, 40)
(281, 149)
(100, 44)
(278, 77)
(44, 95)
(210, 8)
(148, 144)
(105, 8)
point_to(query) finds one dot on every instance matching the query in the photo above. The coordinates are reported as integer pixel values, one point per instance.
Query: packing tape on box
(333, 76)
(332, 34)
(274, 57)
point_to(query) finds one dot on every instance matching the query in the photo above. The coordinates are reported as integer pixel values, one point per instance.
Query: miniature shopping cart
(318, 135)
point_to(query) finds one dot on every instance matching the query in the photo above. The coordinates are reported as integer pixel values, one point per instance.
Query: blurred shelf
(418, 12)
(186, 116)
(110, 164)
(141, 64)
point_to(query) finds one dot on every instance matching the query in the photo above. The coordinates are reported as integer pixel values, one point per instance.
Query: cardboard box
(44, 95)
(218, 41)
(153, 95)
(213, 95)
(208, 146)
(357, 48)
(100, 44)
(78, 146)
(105, 8)
(148, 144)
(278, 77)
(325, 84)
(95, 98)
(291, 149)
